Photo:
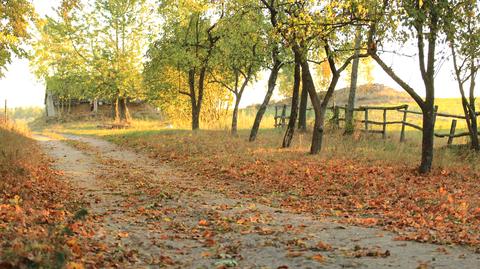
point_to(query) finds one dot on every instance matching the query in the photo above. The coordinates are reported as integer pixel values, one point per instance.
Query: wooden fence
(281, 119)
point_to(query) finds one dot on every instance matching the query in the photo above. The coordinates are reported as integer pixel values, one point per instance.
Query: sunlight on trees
(194, 59)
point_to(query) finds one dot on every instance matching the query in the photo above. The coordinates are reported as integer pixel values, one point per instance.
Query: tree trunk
(50, 105)
(114, 108)
(427, 138)
(287, 139)
(317, 128)
(473, 119)
(117, 110)
(272, 81)
(320, 107)
(302, 114)
(95, 106)
(349, 123)
(193, 100)
(121, 110)
(195, 118)
(126, 112)
(235, 115)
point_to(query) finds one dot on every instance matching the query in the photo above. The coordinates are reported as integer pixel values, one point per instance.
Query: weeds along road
(151, 215)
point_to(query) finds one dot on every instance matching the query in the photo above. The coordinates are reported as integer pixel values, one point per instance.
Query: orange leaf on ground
(203, 222)
(318, 258)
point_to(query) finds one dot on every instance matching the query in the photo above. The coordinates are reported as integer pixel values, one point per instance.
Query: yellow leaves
(16, 200)
(74, 265)
(74, 246)
(123, 234)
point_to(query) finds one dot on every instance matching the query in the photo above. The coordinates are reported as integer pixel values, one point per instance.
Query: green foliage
(15, 16)
(94, 49)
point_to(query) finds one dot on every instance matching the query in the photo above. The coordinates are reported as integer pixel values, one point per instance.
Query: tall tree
(15, 16)
(241, 51)
(288, 137)
(349, 124)
(110, 37)
(464, 39)
(423, 21)
(189, 41)
(273, 9)
(328, 25)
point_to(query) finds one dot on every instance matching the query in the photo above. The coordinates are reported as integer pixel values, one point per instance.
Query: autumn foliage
(37, 228)
(442, 207)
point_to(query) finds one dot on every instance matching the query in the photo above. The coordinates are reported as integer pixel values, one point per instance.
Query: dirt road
(150, 215)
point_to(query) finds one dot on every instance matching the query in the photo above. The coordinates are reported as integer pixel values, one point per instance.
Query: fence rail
(280, 120)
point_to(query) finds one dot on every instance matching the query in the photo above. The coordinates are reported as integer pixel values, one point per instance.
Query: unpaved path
(152, 216)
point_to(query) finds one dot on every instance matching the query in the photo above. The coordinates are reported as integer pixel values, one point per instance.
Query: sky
(21, 88)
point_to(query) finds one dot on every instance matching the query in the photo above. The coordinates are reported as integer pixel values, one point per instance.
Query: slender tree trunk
(272, 81)
(319, 106)
(349, 124)
(427, 138)
(235, 115)
(126, 113)
(117, 109)
(473, 119)
(122, 114)
(317, 128)
(468, 105)
(95, 106)
(193, 100)
(195, 118)
(302, 114)
(318, 131)
(287, 139)
(114, 108)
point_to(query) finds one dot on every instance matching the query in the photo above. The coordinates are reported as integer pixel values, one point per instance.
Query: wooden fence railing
(281, 120)
(405, 111)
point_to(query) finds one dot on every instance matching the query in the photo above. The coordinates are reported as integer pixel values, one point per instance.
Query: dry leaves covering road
(348, 181)
(147, 214)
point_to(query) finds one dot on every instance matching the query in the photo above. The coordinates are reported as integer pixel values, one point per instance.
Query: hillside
(367, 94)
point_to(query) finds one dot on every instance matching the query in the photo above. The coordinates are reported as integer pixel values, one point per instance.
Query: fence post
(336, 116)
(452, 132)
(284, 115)
(6, 112)
(402, 133)
(435, 110)
(276, 116)
(366, 120)
(384, 130)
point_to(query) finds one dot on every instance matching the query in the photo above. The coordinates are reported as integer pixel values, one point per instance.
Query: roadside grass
(37, 227)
